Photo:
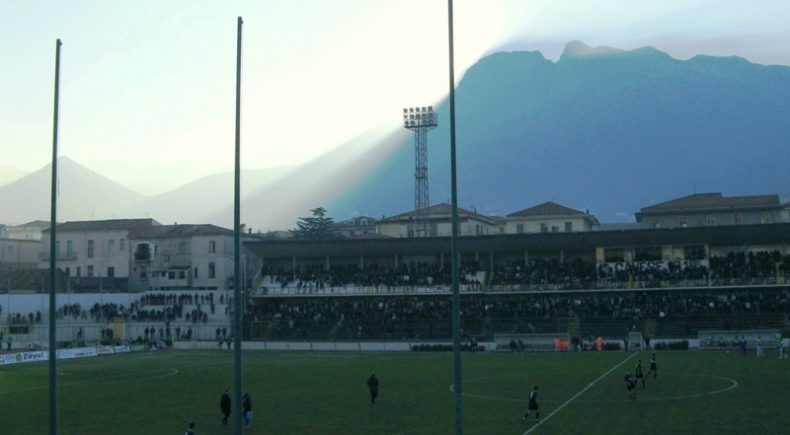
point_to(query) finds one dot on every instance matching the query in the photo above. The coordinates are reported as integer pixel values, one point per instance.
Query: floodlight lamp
(430, 108)
(405, 110)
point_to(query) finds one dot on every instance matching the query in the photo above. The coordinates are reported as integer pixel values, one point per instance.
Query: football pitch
(326, 393)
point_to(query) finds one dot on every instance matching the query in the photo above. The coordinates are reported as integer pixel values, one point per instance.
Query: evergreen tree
(316, 227)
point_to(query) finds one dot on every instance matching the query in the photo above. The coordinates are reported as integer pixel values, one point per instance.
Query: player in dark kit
(224, 406)
(190, 430)
(533, 404)
(653, 366)
(630, 385)
(373, 387)
(638, 373)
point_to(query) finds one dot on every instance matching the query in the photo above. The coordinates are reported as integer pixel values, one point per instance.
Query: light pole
(53, 364)
(459, 421)
(420, 120)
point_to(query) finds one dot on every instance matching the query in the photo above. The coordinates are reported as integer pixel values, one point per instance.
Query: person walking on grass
(247, 409)
(224, 406)
(532, 405)
(373, 388)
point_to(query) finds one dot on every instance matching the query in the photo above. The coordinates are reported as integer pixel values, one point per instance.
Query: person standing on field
(247, 409)
(224, 406)
(373, 388)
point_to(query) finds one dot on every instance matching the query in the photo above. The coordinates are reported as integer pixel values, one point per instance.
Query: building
(28, 231)
(438, 219)
(713, 209)
(360, 226)
(16, 254)
(93, 249)
(181, 257)
(548, 217)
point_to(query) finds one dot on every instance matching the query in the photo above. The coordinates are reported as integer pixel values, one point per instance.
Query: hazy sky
(148, 86)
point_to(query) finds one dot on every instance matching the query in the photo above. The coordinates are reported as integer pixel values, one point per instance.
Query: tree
(316, 227)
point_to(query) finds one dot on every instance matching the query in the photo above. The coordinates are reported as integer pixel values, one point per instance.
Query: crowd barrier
(77, 352)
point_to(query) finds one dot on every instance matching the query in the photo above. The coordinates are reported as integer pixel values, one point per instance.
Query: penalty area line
(575, 396)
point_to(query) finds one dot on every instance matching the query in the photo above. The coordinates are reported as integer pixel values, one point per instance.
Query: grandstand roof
(547, 208)
(105, 225)
(176, 231)
(33, 224)
(586, 242)
(708, 202)
(438, 211)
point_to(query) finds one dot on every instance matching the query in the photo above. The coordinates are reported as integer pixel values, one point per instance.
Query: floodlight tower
(420, 120)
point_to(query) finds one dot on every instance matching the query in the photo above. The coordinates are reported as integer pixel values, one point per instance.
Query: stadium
(567, 311)
(435, 320)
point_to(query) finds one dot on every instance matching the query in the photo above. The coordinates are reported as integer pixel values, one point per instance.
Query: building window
(110, 272)
(211, 270)
(434, 228)
(738, 219)
(90, 270)
(182, 275)
(656, 223)
(555, 229)
(171, 275)
(69, 248)
(212, 247)
(196, 272)
(90, 249)
(544, 228)
(122, 244)
(568, 227)
(68, 271)
(182, 248)
(110, 246)
(79, 272)
(10, 250)
(519, 228)
(710, 220)
(166, 258)
(684, 222)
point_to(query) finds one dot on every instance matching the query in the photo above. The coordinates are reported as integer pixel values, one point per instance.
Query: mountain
(9, 174)
(601, 129)
(200, 200)
(82, 194)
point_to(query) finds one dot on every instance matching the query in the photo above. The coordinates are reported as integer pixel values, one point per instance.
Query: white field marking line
(591, 384)
(171, 372)
(733, 384)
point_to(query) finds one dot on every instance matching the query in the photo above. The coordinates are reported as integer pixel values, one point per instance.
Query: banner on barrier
(8, 359)
(122, 349)
(79, 352)
(39, 355)
(104, 350)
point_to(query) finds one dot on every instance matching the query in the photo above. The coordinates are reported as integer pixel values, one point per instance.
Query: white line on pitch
(567, 402)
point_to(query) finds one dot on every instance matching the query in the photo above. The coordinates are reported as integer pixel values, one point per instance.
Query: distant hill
(83, 194)
(9, 174)
(600, 129)
(200, 200)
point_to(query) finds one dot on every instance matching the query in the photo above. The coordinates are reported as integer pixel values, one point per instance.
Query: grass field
(325, 393)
